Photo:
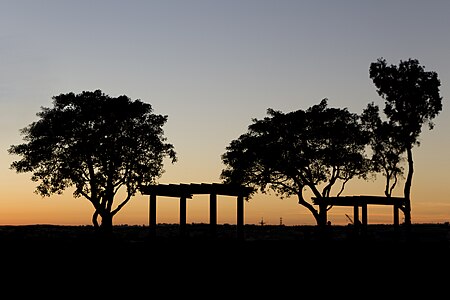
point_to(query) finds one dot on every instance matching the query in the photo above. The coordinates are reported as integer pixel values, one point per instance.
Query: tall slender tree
(412, 99)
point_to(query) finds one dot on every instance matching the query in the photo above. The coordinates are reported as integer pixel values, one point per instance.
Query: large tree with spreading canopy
(292, 152)
(99, 145)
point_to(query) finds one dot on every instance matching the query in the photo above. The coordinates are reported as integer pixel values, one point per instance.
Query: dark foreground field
(196, 237)
(270, 259)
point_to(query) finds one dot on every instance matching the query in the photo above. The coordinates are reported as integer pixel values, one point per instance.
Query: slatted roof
(187, 190)
(358, 200)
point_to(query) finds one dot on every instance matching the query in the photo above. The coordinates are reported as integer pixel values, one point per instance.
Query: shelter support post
(152, 215)
(356, 221)
(183, 216)
(213, 214)
(240, 218)
(364, 218)
(396, 217)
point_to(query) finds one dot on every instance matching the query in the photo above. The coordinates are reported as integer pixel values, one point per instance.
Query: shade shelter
(360, 201)
(186, 191)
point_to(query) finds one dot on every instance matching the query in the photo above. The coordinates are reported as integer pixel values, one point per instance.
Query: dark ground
(376, 238)
(270, 260)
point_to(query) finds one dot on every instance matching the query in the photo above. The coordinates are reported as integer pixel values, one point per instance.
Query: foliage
(96, 143)
(411, 95)
(289, 152)
(386, 146)
(412, 99)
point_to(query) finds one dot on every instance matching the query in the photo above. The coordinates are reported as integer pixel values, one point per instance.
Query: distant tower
(281, 221)
(262, 223)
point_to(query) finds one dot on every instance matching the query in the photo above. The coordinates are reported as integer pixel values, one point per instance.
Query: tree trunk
(407, 190)
(106, 226)
(94, 220)
(319, 216)
(106, 221)
(322, 220)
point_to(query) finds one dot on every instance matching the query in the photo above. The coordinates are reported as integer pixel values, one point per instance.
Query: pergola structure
(186, 191)
(360, 201)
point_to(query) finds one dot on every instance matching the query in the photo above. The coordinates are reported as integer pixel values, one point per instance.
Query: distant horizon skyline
(212, 67)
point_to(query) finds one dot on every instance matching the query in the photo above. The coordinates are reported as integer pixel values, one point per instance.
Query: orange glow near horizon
(20, 206)
(27, 209)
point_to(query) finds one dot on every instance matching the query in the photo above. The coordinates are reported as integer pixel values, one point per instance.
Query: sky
(211, 67)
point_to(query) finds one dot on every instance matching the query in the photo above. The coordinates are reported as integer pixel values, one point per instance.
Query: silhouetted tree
(98, 144)
(386, 147)
(290, 152)
(412, 99)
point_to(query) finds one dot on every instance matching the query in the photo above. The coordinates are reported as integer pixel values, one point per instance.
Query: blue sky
(212, 66)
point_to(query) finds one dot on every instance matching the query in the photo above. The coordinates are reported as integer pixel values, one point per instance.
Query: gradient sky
(212, 66)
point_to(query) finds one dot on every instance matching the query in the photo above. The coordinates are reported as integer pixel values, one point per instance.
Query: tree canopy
(290, 152)
(411, 94)
(386, 147)
(99, 145)
(412, 99)
(321, 146)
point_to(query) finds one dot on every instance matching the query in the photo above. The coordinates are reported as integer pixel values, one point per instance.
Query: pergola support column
(364, 218)
(240, 218)
(213, 215)
(396, 217)
(356, 222)
(152, 215)
(183, 216)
